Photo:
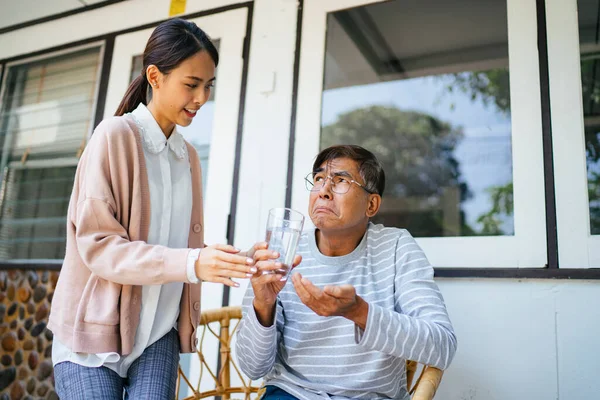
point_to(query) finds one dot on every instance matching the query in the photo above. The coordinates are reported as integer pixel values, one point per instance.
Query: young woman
(128, 298)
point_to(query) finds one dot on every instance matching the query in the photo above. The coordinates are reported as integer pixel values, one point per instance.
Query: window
(447, 96)
(46, 117)
(574, 65)
(434, 106)
(589, 41)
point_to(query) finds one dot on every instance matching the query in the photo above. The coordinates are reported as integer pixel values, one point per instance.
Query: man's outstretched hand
(332, 300)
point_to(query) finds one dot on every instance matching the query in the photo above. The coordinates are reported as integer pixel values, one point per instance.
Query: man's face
(331, 211)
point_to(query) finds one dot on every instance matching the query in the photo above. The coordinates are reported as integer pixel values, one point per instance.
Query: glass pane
(33, 214)
(48, 105)
(425, 86)
(137, 63)
(47, 112)
(589, 34)
(199, 132)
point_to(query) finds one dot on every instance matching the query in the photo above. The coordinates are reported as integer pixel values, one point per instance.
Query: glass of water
(284, 227)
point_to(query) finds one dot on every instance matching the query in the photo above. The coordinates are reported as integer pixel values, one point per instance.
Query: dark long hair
(170, 44)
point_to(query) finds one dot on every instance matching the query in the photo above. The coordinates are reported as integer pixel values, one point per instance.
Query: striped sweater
(313, 357)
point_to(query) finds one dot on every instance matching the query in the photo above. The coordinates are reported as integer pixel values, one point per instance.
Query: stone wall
(25, 342)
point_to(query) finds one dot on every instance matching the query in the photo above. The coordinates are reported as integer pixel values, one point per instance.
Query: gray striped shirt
(313, 357)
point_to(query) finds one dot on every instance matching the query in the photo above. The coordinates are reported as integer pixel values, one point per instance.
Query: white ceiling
(423, 35)
(14, 12)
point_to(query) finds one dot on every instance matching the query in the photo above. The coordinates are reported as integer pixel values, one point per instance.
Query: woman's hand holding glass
(220, 262)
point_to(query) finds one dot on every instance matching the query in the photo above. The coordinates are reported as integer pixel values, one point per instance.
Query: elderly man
(360, 304)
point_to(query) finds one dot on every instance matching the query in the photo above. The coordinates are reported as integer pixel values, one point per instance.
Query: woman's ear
(373, 205)
(153, 75)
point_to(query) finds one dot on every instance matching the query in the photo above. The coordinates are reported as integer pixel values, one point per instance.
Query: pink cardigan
(97, 302)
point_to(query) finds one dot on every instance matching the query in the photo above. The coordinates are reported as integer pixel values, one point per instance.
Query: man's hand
(332, 300)
(266, 283)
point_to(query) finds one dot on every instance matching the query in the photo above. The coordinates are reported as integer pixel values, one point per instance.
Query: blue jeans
(275, 393)
(152, 376)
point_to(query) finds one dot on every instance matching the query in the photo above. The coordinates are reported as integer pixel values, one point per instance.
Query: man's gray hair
(369, 167)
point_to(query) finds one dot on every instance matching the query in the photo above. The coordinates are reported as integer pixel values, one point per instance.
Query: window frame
(527, 248)
(51, 162)
(102, 46)
(577, 247)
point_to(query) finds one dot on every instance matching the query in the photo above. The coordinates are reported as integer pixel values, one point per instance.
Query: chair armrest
(428, 384)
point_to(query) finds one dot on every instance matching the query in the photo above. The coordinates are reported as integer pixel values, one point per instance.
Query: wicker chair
(224, 316)
(424, 388)
(427, 383)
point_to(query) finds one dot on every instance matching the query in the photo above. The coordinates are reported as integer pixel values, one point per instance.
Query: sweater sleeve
(419, 328)
(256, 346)
(102, 242)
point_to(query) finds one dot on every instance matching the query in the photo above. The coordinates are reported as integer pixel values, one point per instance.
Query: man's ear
(373, 205)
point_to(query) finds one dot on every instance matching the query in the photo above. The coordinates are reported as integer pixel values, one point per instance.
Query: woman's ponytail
(136, 94)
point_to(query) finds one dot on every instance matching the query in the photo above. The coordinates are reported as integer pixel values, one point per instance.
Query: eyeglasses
(339, 184)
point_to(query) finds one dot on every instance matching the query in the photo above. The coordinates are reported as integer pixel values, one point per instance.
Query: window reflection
(589, 34)
(425, 86)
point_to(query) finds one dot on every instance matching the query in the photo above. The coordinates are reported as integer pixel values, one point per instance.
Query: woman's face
(177, 96)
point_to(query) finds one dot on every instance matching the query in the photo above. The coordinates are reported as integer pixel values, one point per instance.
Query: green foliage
(416, 149)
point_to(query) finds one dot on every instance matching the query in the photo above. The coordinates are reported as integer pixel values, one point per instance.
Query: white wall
(263, 171)
(17, 12)
(14, 12)
(119, 16)
(523, 339)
